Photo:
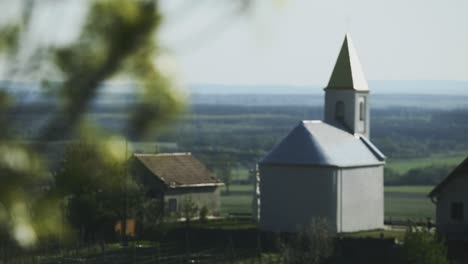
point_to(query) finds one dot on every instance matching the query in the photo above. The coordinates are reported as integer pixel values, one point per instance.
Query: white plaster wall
(208, 197)
(360, 199)
(351, 102)
(362, 127)
(455, 191)
(348, 97)
(291, 196)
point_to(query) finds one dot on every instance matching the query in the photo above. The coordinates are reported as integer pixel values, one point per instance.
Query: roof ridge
(312, 121)
(380, 156)
(320, 148)
(448, 178)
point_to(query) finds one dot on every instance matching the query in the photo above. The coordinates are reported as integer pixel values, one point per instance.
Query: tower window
(172, 205)
(362, 111)
(339, 110)
(456, 211)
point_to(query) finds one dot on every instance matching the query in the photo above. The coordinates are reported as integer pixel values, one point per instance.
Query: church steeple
(348, 73)
(347, 93)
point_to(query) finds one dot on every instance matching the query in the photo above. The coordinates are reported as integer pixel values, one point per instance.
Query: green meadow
(401, 202)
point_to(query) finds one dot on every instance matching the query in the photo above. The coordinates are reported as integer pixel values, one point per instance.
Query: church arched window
(362, 111)
(339, 110)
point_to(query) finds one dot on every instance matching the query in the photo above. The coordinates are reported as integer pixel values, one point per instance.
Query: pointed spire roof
(348, 73)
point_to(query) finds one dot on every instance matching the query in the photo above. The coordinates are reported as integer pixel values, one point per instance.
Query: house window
(172, 205)
(456, 211)
(362, 111)
(339, 110)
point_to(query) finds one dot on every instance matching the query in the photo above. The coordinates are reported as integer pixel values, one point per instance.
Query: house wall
(155, 188)
(454, 191)
(360, 199)
(348, 98)
(201, 196)
(291, 196)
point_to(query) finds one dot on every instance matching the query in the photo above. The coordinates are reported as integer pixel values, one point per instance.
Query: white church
(327, 169)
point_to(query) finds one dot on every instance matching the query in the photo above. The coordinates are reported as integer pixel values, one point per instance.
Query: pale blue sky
(287, 42)
(297, 42)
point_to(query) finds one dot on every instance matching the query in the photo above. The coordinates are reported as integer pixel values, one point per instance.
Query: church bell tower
(347, 93)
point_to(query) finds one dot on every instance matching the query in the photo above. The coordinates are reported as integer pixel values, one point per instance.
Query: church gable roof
(461, 169)
(347, 73)
(317, 143)
(178, 169)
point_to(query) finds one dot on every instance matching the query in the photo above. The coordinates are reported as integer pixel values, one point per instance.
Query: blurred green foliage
(118, 39)
(423, 247)
(96, 191)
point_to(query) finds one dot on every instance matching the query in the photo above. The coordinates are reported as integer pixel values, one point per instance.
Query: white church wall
(362, 126)
(291, 196)
(348, 98)
(360, 199)
(454, 192)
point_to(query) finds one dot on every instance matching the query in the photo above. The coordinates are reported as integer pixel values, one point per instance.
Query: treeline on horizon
(241, 135)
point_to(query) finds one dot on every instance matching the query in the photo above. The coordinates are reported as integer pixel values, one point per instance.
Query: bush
(313, 244)
(203, 214)
(423, 247)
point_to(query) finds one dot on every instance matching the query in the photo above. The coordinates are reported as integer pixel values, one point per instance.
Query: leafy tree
(423, 247)
(313, 244)
(150, 219)
(203, 214)
(429, 175)
(223, 169)
(97, 191)
(188, 209)
(118, 39)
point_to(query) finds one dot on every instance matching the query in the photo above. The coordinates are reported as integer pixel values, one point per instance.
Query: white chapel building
(327, 169)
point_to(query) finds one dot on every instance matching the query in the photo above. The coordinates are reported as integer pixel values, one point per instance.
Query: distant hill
(421, 94)
(428, 101)
(377, 87)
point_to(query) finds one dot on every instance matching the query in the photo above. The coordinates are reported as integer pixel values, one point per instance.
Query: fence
(169, 253)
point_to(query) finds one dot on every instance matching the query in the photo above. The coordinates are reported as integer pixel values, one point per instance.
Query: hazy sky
(297, 42)
(288, 42)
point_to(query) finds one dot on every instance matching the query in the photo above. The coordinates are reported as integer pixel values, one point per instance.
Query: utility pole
(125, 212)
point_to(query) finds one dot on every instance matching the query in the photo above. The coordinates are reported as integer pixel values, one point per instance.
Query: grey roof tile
(178, 169)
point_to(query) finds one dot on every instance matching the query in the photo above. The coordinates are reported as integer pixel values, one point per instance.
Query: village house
(176, 179)
(327, 169)
(451, 199)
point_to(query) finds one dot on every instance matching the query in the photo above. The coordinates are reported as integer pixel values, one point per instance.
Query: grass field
(408, 202)
(401, 202)
(398, 234)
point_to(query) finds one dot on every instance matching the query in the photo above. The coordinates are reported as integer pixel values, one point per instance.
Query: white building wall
(291, 196)
(455, 191)
(351, 99)
(360, 199)
(348, 98)
(362, 126)
(208, 197)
